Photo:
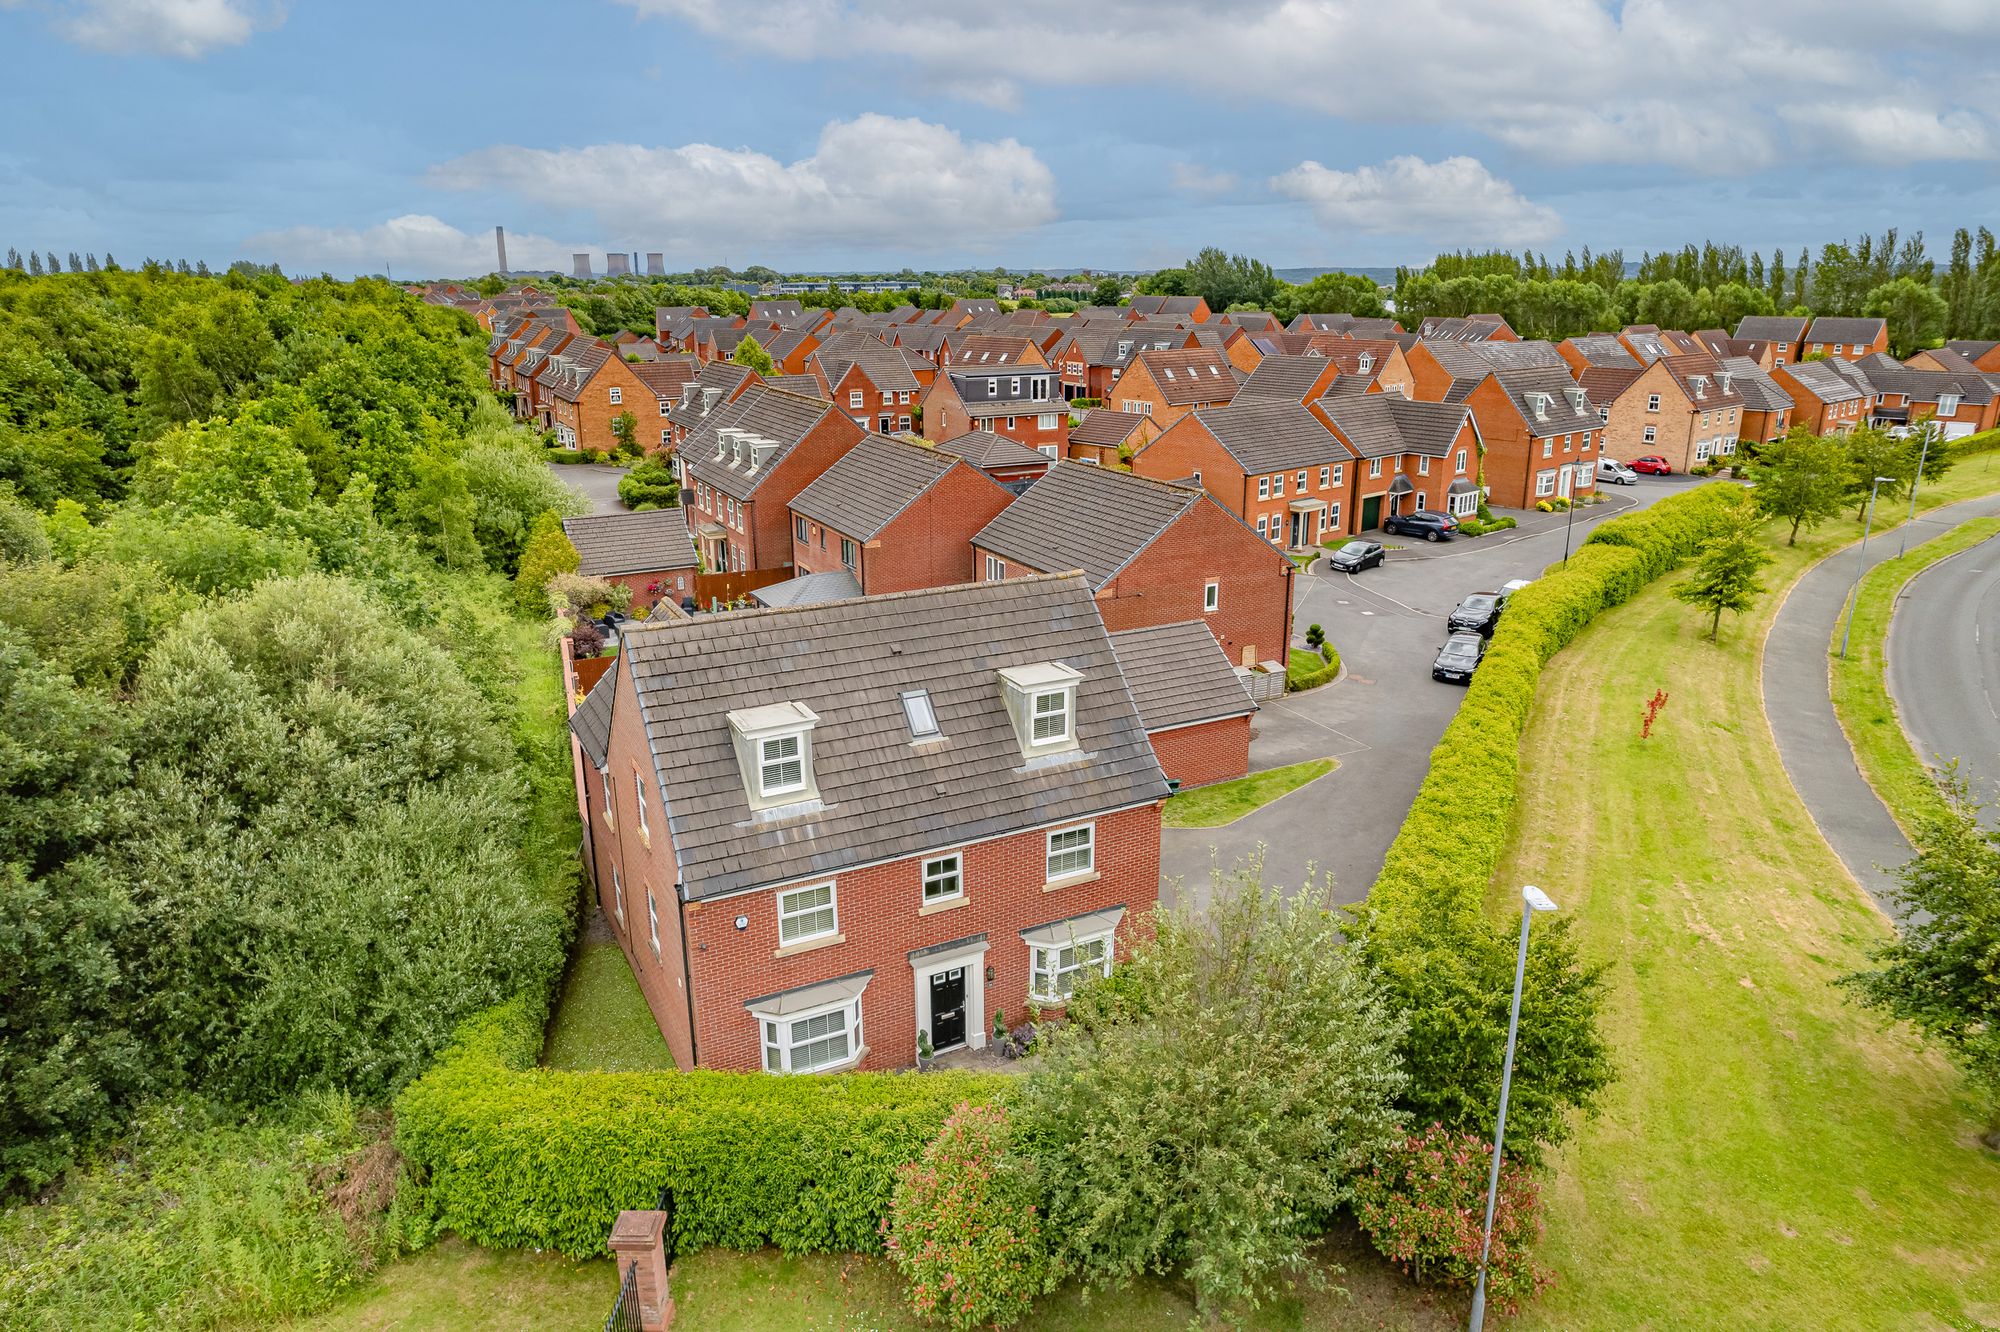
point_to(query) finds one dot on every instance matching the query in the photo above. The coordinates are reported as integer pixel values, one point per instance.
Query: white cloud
(1886, 133)
(413, 245)
(187, 29)
(1193, 178)
(1713, 86)
(1455, 199)
(874, 182)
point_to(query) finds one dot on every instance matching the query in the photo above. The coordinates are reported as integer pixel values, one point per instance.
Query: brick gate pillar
(639, 1241)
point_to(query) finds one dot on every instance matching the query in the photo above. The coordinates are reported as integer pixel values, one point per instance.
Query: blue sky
(349, 137)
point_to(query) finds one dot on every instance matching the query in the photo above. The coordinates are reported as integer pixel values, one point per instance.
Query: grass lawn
(602, 1021)
(1226, 802)
(1771, 1157)
(1306, 669)
(1861, 690)
(455, 1287)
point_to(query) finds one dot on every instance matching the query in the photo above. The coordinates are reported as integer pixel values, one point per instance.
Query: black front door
(948, 1009)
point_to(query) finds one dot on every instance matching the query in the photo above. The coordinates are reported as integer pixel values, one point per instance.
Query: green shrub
(1543, 506)
(964, 1229)
(650, 485)
(1309, 670)
(513, 1156)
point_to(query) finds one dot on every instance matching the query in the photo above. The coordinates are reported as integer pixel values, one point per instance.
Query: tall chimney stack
(500, 244)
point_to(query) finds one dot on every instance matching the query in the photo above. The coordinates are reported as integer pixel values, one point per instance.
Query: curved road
(1798, 701)
(1944, 665)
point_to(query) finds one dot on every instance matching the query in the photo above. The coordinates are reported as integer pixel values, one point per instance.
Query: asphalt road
(1944, 666)
(1382, 717)
(595, 482)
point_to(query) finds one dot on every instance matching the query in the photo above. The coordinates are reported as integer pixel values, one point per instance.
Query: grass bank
(1770, 1152)
(601, 1021)
(1860, 683)
(1225, 802)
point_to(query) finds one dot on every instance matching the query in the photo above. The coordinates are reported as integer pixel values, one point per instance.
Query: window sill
(809, 945)
(948, 904)
(646, 838)
(1071, 880)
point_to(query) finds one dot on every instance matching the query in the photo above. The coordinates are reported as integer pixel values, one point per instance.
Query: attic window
(781, 765)
(917, 710)
(774, 750)
(1170, 374)
(1041, 702)
(1051, 717)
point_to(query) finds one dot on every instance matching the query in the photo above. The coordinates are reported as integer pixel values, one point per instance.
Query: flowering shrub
(1424, 1206)
(963, 1227)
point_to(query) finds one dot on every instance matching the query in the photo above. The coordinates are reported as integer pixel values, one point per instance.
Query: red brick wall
(593, 412)
(880, 923)
(1163, 584)
(1511, 455)
(1216, 751)
(673, 583)
(929, 544)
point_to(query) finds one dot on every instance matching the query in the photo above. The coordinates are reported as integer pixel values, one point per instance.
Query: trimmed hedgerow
(512, 1156)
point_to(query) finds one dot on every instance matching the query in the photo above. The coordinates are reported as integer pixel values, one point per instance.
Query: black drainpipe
(687, 978)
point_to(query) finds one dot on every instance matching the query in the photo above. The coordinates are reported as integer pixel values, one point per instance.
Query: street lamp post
(1569, 526)
(1923, 456)
(1861, 565)
(1533, 899)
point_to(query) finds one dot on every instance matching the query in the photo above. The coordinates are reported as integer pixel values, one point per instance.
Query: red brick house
(1784, 334)
(1408, 457)
(1962, 402)
(1357, 326)
(1008, 461)
(717, 384)
(869, 380)
(1023, 403)
(1824, 401)
(1298, 379)
(1767, 408)
(746, 463)
(668, 377)
(1190, 699)
(1185, 309)
(897, 516)
(1447, 370)
(1985, 355)
(649, 552)
(1153, 553)
(1541, 434)
(1164, 386)
(1682, 408)
(1103, 436)
(1841, 338)
(1276, 466)
(819, 832)
(589, 388)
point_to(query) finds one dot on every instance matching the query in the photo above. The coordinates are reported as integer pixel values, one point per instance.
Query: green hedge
(1452, 840)
(513, 1156)
(1309, 670)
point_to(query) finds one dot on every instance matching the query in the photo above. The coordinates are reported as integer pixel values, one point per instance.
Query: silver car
(1610, 469)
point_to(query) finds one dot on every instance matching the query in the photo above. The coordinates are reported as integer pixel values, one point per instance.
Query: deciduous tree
(1800, 478)
(1724, 576)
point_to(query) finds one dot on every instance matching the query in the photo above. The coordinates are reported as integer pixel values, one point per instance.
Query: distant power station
(500, 244)
(616, 264)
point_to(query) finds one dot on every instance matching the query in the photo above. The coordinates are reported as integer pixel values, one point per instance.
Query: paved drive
(1944, 666)
(1798, 701)
(1384, 715)
(595, 482)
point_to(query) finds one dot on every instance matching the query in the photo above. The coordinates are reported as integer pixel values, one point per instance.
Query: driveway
(1944, 666)
(1384, 714)
(595, 482)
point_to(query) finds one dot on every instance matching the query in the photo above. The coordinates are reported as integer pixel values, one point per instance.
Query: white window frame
(779, 1038)
(639, 797)
(1548, 448)
(1652, 402)
(653, 922)
(1046, 971)
(850, 554)
(1459, 461)
(765, 763)
(1045, 421)
(1947, 404)
(617, 395)
(1325, 477)
(939, 870)
(1423, 464)
(796, 917)
(617, 896)
(1036, 714)
(996, 569)
(1263, 527)
(1278, 486)
(1211, 597)
(1263, 487)
(664, 404)
(1333, 515)
(1545, 484)
(1061, 864)
(1651, 435)
(856, 398)
(1339, 474)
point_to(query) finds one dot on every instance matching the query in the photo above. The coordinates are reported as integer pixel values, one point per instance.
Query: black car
(1430, 524)
(1477, 614)
(1458, 658)
(1355, 556)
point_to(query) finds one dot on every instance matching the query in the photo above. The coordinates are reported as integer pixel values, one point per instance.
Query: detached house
(1541, 435)
(650, 553)
(1846, 339)
(1682, 408)
(1164, 386)
(821, 832)
(1153, 553)
(1023, 403)
(1767, 408)
(745, 465)
(1786, 335)
(896, 516)
(1409, 457)
(1824, 401)
(1985, 355)
(869, 380)
(1183, 309)
(1275, 465)
(1961, 402)
(589, 388)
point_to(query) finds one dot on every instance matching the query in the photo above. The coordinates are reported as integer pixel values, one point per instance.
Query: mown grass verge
(1225, 802)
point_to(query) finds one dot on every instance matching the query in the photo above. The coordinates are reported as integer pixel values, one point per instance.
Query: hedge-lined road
(595, 482)
(1384, 715)
(1944, 665)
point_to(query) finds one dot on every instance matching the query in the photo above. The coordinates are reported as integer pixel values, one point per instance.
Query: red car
(1652, 464)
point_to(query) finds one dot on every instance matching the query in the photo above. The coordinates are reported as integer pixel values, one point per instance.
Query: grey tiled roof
(809, 590)
(784, 417)
(1379, 424)
(1820, 379)
(1517, 355)
(882, 364)
(1465, 366)
(1188, 375)
(806, 386)
(1179, 675)
(871, 483)
(591, 721)
(881, 796)
(623, 543)
(1080, 517)
(1760, 392)
(1885, 374)
(1847, 331)
(984, 449)
(1555, 382)
(1272, 436)
(1105, 426)
(1604, 351)
(1971, 348)
(1282, 379)
(1772, 328)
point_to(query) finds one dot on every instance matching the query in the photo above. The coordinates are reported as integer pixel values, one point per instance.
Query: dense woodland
(269, 821)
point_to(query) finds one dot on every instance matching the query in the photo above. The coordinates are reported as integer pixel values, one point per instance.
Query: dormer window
(1947, 404)
(774, 750)
(1365, 363)
(1041, 701)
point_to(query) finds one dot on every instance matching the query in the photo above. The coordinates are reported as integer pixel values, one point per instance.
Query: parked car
(1509, 588)
(1652, 465)
(1458, 658)
(1610, 469)
(1477, 614)
(1355, 556)
(1430, 524)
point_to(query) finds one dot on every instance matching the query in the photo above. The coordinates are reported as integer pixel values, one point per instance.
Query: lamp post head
(1885, 480)
(1537, 899)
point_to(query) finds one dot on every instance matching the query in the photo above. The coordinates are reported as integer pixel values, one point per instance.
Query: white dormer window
(1947, 404)
(1541, 407)
(781, 765)
(1700, 383)
(774, 749)
(1365, 362)
(1041, 700)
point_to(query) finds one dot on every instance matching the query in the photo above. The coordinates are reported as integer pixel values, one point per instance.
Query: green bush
(1424, 923)
(512, 1156)
(1309, 670)
(650, 485)
(1478, 527)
